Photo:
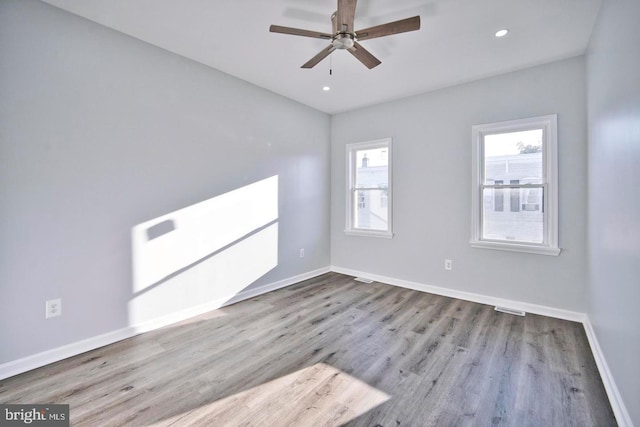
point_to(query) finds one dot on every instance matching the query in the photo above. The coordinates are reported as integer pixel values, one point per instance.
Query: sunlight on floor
(316, 395)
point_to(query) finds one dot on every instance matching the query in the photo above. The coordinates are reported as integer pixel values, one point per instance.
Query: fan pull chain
(331, 64)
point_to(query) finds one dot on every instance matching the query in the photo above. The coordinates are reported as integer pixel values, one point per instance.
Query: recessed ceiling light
(501, 33)
(326, 88)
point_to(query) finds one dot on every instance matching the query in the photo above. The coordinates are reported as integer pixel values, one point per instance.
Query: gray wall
(101, 132)
(613, 70)
(432, 180)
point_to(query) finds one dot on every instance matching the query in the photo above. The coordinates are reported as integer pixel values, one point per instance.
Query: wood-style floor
(332, 351)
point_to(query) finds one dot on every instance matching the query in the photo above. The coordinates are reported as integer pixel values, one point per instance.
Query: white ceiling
(455, 44)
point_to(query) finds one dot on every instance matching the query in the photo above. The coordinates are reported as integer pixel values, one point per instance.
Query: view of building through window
(512, 199)
(372, 184)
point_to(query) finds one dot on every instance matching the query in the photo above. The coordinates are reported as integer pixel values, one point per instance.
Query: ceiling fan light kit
(343, 41)
(344, 37)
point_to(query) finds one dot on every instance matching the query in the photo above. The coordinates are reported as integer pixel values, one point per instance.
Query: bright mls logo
(34, 415)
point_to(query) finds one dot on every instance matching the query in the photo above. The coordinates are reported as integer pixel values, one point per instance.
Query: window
(369, 188)
(516, 159)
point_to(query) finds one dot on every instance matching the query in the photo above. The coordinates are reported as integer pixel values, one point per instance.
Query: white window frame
(549, 126)
(350, 189)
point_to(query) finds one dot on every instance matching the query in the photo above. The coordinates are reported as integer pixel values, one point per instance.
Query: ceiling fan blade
(364, 56)
(319, 57)
(299, 32)
(396, 27)
(346, 15)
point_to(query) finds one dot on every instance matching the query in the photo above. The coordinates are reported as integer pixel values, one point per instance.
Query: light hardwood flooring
(331, 351)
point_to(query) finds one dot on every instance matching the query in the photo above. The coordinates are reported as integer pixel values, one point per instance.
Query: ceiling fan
(343, 35)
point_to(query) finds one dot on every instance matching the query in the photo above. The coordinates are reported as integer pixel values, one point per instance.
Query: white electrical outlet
(53, 308)
(448, 264)
(302, 253)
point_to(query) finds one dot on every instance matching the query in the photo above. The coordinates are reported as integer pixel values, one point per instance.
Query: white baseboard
(468, 296)
(28, 363)
(617, 404)
(277, 285)
(34, 361)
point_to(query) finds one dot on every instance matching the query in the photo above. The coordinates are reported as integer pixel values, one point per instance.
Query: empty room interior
(417, 213)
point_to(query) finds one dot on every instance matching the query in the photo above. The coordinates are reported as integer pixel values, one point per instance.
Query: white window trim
(549, 124)
(351, 178)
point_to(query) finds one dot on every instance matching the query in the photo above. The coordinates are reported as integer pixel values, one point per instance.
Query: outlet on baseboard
(301, 252)
(53, 308)
(448, 264)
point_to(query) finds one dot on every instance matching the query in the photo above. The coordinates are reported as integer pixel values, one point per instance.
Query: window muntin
(369, 188)
(514, 201)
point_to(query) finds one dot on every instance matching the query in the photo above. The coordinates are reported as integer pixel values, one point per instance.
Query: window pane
(498, 197)
(524, 224)
(371, 210)
(514, 156)
(515, 196)
(372, 168)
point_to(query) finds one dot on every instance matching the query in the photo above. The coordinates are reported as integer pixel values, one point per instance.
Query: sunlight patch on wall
(197, 258)
(174, 241)
(316, 395)
(210, 283)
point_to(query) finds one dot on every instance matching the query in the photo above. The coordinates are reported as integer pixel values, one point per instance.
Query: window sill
(516, 247)
(366, 233)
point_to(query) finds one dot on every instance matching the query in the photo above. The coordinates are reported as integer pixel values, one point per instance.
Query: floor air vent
(363, 280)
(509, 311)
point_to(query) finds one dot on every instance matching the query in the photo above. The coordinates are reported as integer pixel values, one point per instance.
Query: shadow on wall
(204, 254)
